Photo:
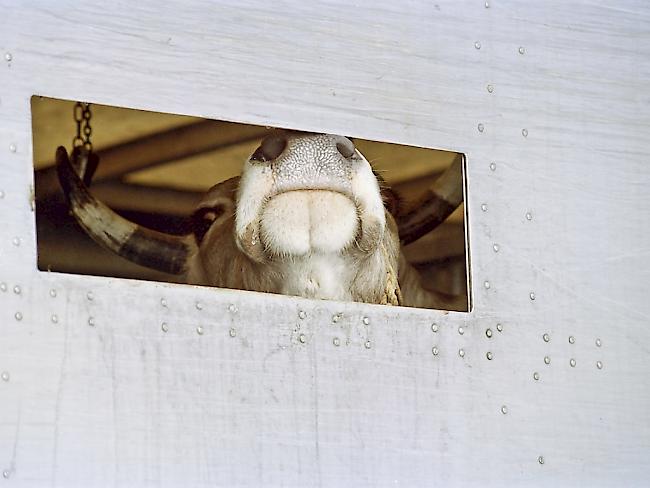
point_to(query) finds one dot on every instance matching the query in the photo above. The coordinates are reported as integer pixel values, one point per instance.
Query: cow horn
(150, 248)
(436, 205)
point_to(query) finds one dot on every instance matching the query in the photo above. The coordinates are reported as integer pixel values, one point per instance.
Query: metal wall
(127, 383)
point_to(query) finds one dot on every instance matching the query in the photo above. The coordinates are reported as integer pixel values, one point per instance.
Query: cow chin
(305, 222)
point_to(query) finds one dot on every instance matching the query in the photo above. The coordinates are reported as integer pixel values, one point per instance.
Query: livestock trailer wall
(548, 101)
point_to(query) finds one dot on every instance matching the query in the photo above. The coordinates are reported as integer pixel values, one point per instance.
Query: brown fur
(229, 267)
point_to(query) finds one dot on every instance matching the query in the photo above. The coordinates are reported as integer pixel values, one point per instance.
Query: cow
(307, 217)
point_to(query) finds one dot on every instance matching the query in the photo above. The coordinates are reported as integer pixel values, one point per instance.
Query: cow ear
(392, 201)
(203, 218)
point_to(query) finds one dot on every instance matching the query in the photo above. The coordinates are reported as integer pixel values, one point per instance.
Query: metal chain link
(82, 116)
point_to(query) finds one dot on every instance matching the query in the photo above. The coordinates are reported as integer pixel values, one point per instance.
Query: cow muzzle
(301, 193)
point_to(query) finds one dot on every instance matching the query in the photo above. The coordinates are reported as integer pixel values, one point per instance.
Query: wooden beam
(147, 199)
(159, 148)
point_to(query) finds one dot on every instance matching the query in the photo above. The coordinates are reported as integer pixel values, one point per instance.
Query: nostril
(345, 147)
(272, 147)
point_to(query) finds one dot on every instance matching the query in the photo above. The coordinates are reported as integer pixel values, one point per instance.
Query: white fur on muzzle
(306, 194)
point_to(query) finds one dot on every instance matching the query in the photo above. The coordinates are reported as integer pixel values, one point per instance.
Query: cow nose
(345, 147)
(272, 146)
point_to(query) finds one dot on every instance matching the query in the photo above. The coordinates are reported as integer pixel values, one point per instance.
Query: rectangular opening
(313, 226)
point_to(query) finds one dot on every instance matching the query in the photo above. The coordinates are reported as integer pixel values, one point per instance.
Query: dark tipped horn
(138, 244)
(438, 203)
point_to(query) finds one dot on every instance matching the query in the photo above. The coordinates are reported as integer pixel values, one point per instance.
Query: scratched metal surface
(553, 93)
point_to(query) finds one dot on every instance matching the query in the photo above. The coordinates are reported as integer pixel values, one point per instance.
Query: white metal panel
(121, 402)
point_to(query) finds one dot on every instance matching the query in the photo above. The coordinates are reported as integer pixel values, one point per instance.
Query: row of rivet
(477, 44)
(495, 248)
(547, 338)
(572, 362)
(461, 330)
(17, 290)
(490, 88)
(199, 305)
(481, 126)
(16, 242)
(199, 329)
(493, 166)
(54, 318)
(484, 208)
(165, 328)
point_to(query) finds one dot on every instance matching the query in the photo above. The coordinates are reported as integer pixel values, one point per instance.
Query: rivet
(18, 316)
(163, 302)
(53, 293)
(16, 241)
(366, 321)
(531, 295)
(434, 351)
(500, 327)
(90, 296)
(572, 362)
(572, 340)
(546, 337)
(487, 4)
(488, 332)
(164, 327)
(12, 147)
(529, 216)
(489, 356)
(232, 308)
(493, 166)
(302, 338)
(302, 314)
(336, 341)
(490, 88)
(3, 286)
(8, 57)
(368, 344)
(599, 364)
(477, 45)
(232, 332)
(461, 331)
(91, 321)
(536, 376)
(486, 284)
(17, 290)
(434, 327)
(547, 360)
(199, 330)
(54, 318)
(198, 305)
(461, 353)
(495, 247)
(504, 409)
(5, 474)
(598, 343)
(524, 132)
(5, 376)
(540, 459)
(480, 127)
(484, 207)
(522, 50)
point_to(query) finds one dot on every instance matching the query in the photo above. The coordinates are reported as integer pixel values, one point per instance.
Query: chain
(82, 116)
